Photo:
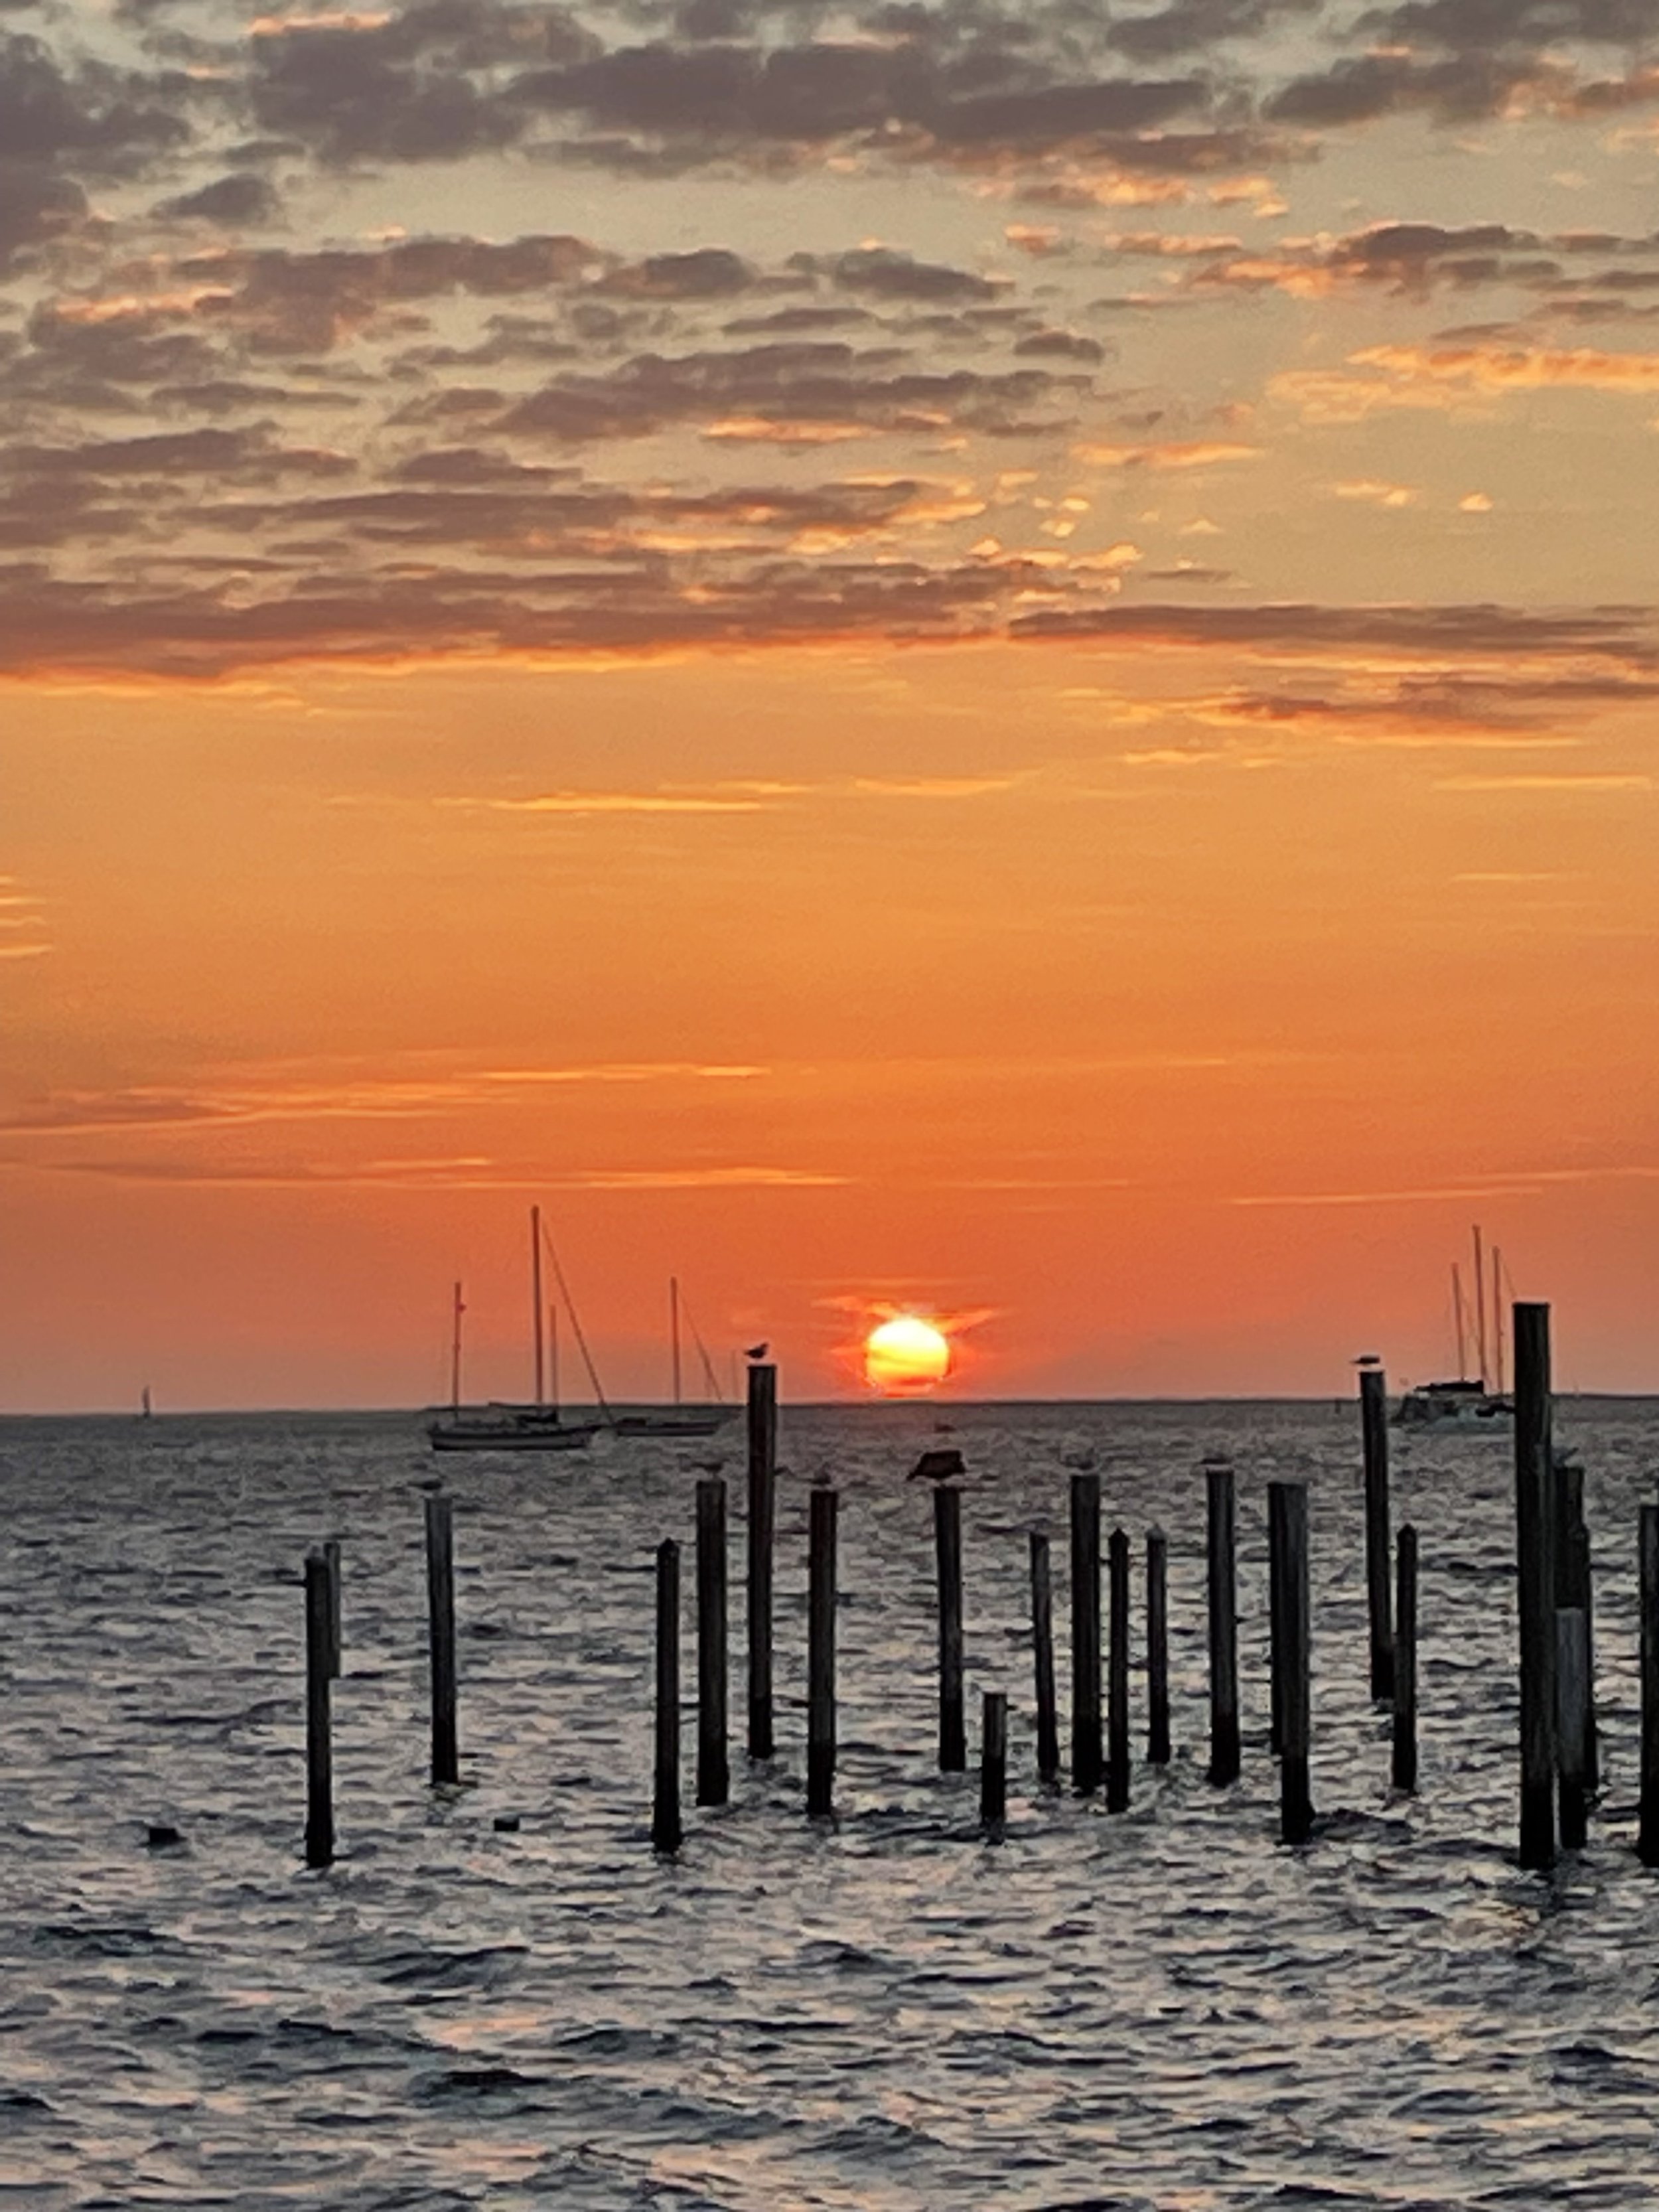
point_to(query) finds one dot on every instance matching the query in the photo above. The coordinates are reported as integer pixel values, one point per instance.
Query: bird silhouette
(754, 1352)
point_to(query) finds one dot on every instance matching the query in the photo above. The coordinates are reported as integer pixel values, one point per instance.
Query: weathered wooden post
(994, 1763)
(762, 1413)
(1287, 1520)
(1374, 1429)
(947, 1551)
(1647, 1838)
(820, 1654)
(1222, 1590)
(666, 1832)
(1157, 1648)
(1085, 1634)
(1117, 1675)
(336, 1618)
(320, 1752)
(1042, 1645)
(714, 1763)
(1403, 1773)
(1571, 1708)
(1574, 1586)
(1535, 1474)
(441, 1635)
(1275, 1638)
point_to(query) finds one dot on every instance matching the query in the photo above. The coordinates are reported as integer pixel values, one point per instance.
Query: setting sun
(906, 1354)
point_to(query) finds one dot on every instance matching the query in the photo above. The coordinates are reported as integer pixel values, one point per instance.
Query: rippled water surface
(1161, 2009)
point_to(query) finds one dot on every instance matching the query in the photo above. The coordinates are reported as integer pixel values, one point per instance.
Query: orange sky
(887, 663)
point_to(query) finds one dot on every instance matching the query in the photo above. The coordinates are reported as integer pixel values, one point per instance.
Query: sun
(906, 1355)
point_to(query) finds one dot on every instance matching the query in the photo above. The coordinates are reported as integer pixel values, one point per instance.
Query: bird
(754, 1352)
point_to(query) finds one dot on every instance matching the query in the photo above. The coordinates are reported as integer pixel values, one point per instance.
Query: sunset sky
(998, 660)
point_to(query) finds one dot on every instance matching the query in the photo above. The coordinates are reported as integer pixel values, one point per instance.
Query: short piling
(1157, 1648)
(1085, 1634)
(1374, 1431)
(994, 1763)
(1043, 1649)
(947, 1552)
(1574, 1586)
(1571, 1714)
(820, 1654)
(1534, 1473)
(441, 1635)
(331, 1560)
(1647, 1837)
(1403, 1771)
(713, 1762)
(1287, 1515)
(1117, 1673)
(667, 1831)
(1222, 1601)
(320, 1753)
(763, 1421)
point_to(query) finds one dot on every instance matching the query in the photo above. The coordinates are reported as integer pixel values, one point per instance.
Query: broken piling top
(938, 1466)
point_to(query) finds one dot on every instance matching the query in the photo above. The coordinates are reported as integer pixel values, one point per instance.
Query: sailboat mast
(536, 1293)
(1498, 1317)
(455, 1353)
(553, 1357)
(1479, 1309)
(674, 1330)
(1457, 1315)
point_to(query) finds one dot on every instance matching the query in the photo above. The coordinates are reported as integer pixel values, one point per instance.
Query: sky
(992, 660)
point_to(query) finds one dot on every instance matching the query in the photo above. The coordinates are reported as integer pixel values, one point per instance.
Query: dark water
(1162, 2009)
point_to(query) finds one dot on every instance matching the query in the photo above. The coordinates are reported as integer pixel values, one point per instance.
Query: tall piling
(1575, 1587)
(947, 1555)
(1117, 1672)
(320, 1751)
(1157, 1648)
(1647, 1837)
(1085, 1634)
(820, 1654)
(714, 1761)
(1043, 1652)
(1534, 1473)
(336, 1614)
(1374, 1431)
(763, 1424)
(1222, 1576)
(667, 1829)
(1287, 1521)
(1571, 1715)
(993, 1762)
(1403, 1769)
(441, 1635)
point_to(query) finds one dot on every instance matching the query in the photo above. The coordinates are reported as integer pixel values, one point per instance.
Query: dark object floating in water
(938, 1466)
(161, 1835)
(506, 1824)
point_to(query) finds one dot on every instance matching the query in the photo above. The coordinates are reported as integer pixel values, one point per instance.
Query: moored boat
(1464, 1402)
(501, 1427)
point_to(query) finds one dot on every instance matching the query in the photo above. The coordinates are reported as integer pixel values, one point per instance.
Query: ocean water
(1158, 2010)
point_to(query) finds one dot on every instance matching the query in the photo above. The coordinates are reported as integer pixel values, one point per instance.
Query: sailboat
(504, 1427)
(1464, 1402)
(683, 1420)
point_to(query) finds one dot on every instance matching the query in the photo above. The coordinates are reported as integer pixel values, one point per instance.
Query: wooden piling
(331, 1560)
(1534, 1528)
(1574, 1586)
(441, 1635)
(820, 1654)
(1403, 1772)
(994, 1763)
(1287, 1519)
(1374, 1428)
(947, 1552)
(1571, 1712)
(1117, 1673)
(1275, 1639)
(714, 1763)
(320, 1752)
(1085, 1634)
(1223, 1597)
(1157, 1648)
(763, 1420)
(1647, 1838)
(666, 1832)
(1043, 1646)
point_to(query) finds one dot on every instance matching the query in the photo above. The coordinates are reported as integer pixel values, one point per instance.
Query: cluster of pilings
(1559, 1748)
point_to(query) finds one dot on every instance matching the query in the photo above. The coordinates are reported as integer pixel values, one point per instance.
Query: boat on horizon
(499, 1425)
(1463, 1401)
(679, 1419)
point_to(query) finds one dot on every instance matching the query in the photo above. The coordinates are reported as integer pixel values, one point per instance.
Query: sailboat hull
(526, 1433)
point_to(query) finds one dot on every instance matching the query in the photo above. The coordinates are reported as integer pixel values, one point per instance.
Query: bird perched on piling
(754, 1352)
(937, 1467)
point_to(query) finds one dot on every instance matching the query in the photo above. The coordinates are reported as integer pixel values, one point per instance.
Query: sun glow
(906, 1355)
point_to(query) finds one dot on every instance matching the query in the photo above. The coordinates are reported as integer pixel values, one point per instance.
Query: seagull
(754, 1352)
